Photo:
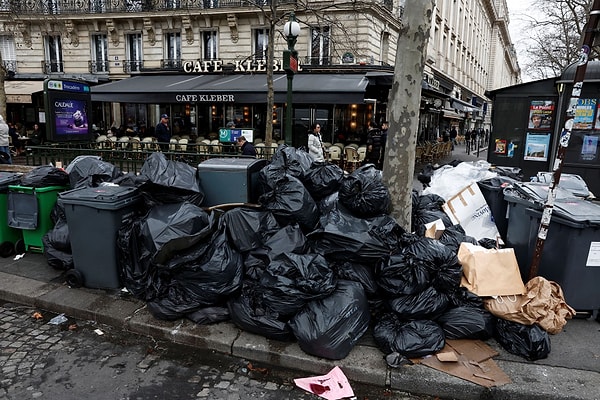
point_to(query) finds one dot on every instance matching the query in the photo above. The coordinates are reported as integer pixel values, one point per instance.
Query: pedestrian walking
(468, 141)
(315, 144)
(163, 132)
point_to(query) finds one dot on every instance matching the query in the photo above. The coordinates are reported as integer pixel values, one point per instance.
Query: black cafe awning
(307, 89)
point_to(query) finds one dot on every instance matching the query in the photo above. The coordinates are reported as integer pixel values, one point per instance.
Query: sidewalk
(572, 370)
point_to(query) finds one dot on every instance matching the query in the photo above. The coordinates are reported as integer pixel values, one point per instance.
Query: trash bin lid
(101, 196)
(538, 191)
(7, 179)
(578, 210)
(232, 164)
(571, 182)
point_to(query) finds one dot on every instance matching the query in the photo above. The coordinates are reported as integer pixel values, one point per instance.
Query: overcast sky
(517, 12)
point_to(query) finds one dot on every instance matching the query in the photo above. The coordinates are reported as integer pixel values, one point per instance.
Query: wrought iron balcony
(69, 7)
(50, 67)
(10, 66)
(132, 66)
(317, 61)
(171, 64)
(98, 67)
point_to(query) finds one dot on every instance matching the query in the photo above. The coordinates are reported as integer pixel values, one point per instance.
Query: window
(172, 50)
(99, 53)
(7, 49)
(134, 52)
(319, 46)
(53, 53)
(261, 41)
(210, 45)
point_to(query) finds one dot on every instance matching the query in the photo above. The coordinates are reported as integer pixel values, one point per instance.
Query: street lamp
(291, 30)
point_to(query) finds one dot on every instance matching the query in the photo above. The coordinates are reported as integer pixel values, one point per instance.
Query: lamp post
(291, 30)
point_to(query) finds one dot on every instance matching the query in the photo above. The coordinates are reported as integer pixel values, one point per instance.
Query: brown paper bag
(490, 272)
(544, 304)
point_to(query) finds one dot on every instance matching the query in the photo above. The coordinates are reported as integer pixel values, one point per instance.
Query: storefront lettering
(205, 98)
(191, 67)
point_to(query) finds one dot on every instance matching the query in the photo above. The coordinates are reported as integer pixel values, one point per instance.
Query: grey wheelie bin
(230, 180)
(571, 254)
(94, 216)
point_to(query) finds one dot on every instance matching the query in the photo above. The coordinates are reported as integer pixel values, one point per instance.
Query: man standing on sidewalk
(4, 141)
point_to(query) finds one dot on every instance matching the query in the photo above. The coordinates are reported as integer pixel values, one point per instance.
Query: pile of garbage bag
(319, 260)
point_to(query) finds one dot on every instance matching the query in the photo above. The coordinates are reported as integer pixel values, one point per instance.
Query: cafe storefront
(201, 103)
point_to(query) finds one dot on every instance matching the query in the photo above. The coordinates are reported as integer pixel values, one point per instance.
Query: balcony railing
(56, 7)
(317, 61)
(10, 66)
(132, 66)
(171, 64)
(50, 67)
(98, 67)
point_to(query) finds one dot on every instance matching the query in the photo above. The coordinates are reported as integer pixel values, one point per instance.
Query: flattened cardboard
(473, 363)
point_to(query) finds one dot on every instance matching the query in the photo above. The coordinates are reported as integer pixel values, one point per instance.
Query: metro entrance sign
(290, 61)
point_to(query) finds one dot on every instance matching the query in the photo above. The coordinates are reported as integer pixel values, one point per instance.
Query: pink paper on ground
(333, 386)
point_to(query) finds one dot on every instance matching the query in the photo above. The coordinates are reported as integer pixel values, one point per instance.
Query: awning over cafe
(307, 89)
(20, 91)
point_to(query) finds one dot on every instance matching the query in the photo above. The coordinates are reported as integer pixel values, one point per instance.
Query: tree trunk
(404, 102)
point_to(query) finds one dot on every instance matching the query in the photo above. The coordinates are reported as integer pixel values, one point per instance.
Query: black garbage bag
(169, 181)
(401, 275)
(292, 280)
(424, 216)
(90, 171)
(44, 176)
(463, 298)
(290, 202)
(364, 193)
(249, 313)
(352, 271)
(431, 201)
(428, 304)
(467, 323)
(441, 261)
(213, 274)
(289, 239)
(4, 158)
(57, 242)
(453, 236)
(330, 327)
(170, 228)
(528, 341)
(209, 315)
(411, 339)
(344, 237)
(323, 179)
(286, 161)
(248, 228)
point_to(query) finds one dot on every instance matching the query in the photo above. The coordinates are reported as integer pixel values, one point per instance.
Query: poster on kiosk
(67, 107)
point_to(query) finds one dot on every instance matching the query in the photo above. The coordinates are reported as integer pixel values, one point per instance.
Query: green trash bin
(10, 238)
(29, 209)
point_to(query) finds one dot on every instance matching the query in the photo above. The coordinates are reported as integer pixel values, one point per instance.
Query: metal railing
(126, 158)
(57, 7)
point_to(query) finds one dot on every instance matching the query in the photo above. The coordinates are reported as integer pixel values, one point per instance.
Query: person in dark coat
(163, 132)
(374, 144)
(246, 147)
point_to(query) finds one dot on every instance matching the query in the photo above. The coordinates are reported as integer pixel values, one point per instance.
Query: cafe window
(210, 45)
(261, 41)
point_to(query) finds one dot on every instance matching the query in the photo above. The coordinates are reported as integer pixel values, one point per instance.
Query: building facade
(204, 62)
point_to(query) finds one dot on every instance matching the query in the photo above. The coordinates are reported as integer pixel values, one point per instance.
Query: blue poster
(537, 147)
(584, 114)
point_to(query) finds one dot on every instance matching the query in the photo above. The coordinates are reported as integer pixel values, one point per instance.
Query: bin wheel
(74, 278)
(7, 249)
(20, 246)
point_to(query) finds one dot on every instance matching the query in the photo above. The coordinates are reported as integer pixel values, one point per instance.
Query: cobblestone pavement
(39, 360)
